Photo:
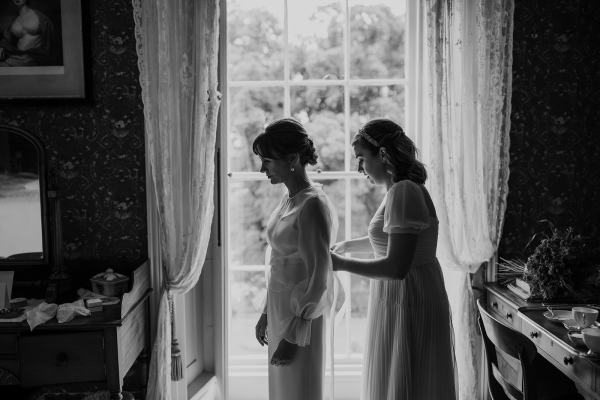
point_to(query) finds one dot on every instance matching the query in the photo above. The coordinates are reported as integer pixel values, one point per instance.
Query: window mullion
(319, 82)
(348, 190)
(286, 63)
(241, 176)
(346, 86)
(346, 278)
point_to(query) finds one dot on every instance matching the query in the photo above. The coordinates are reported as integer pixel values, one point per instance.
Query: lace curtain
(461, 124)
(177, 46)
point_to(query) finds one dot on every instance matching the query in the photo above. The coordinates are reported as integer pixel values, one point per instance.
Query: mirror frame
(24, 265)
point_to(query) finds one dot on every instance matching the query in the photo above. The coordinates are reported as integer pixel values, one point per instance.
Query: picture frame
(45, 60)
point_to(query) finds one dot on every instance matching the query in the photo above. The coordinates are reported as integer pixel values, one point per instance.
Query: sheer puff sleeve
(309, 298)
(405, 209)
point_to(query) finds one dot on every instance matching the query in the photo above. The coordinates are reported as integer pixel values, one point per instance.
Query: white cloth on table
(409, 352)
(40, 313)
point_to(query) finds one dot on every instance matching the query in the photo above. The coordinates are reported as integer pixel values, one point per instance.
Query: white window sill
(203, 387)
(250, 382)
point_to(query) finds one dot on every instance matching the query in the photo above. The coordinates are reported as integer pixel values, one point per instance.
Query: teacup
(591, 338)
(584, 316)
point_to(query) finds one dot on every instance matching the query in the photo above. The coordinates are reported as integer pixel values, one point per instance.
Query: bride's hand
(261, 330)
(340, 247)
(284, 354)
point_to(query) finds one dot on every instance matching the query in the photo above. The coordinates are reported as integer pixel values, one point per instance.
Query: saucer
(558, 315)
(571, 325)
(577, 339)
(592, 354)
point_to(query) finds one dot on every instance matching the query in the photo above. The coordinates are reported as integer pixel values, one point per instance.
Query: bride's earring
(382, 153)
(292, 169)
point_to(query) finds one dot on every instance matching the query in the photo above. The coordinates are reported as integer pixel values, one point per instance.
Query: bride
(300, 232)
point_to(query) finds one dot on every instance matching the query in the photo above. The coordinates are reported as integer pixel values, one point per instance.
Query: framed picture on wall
(41, 49)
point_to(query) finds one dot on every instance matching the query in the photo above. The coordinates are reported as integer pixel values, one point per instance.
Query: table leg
(114, 382)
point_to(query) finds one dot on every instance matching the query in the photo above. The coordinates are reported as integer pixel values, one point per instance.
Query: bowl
(591, 338)
(109, 283)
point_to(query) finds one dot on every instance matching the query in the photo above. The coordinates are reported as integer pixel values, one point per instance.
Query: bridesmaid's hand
(261, 330)
(340, 247)
(284, 354)
(336, 261)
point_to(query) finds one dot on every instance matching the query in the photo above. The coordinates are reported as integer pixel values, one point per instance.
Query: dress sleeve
(267, 278)
(405, 209)
(309, 297)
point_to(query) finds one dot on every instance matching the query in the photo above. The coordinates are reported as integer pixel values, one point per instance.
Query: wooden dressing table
(85, 349)
(550, 338)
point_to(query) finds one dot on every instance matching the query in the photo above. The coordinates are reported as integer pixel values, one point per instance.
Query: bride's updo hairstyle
(398, 151)
(283, 137)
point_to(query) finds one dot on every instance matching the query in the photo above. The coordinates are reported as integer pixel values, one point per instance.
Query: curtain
(177, 47)
(462, 62)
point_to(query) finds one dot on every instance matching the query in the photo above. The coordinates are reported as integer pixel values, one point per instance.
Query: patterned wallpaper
(96, 147)
(555, 141)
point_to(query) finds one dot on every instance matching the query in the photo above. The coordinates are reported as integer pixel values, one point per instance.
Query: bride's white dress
(409, 351)
(300, 233)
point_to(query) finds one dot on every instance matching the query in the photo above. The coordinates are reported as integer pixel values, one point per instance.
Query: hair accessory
(367, 137)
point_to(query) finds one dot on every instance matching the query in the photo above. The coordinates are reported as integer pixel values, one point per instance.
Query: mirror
(23, 237)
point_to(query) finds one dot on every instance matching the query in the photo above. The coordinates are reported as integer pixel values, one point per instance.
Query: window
(333, 65)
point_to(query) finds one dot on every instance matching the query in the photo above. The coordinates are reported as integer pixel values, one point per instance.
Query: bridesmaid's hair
(285, 136)
(398, 151)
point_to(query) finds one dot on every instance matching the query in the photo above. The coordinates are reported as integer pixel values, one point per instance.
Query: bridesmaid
(300, 232)
(409, 353)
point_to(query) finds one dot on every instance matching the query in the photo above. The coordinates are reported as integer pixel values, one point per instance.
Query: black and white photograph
(299, 200)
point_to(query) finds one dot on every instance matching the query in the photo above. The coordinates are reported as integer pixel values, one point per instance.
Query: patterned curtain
(461, 121)
(177, 46)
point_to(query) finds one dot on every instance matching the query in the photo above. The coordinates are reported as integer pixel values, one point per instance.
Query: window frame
(349, 361)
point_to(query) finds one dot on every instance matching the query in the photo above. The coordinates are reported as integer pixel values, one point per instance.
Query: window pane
(321, 110)
(251, 109)
(369, 102)
(358, 310)
(316, 39)
(366, 198)
(377, 38)
(250, 205)
(255, 40)
(247, 292)
(336, 191)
